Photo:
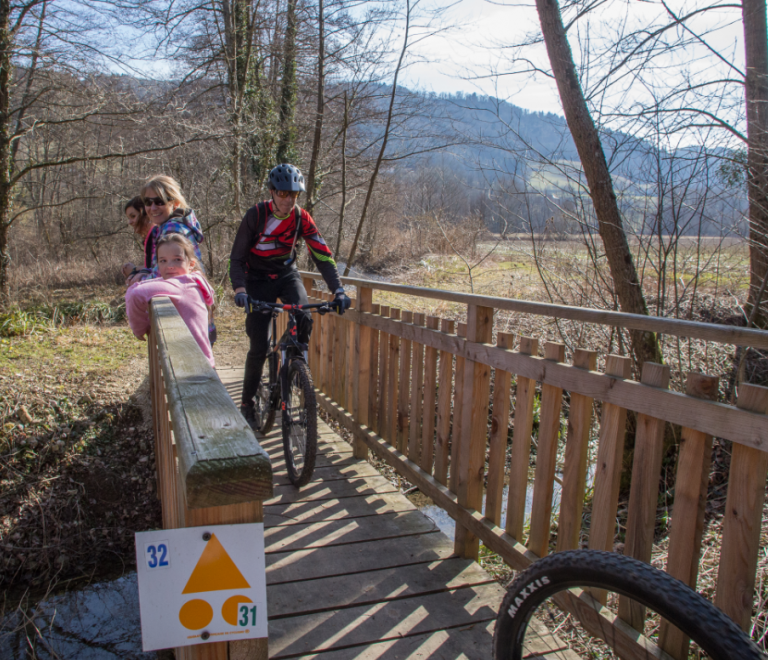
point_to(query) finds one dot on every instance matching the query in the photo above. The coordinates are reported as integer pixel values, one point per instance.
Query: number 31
(243, 621)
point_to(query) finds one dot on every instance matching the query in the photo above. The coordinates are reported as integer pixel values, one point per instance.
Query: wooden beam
(474, 429)
(442, 440)
(220, 460)
(363, 367)
(667, 326)
(417, 394)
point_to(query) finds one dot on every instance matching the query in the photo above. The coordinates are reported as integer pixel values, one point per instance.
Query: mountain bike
(286, 384)
(537, 614)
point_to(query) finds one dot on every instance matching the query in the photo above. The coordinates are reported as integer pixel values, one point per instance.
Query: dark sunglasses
(157, 201)
(286, 193)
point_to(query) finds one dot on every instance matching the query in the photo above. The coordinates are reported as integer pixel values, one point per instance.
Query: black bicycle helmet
(286, 177)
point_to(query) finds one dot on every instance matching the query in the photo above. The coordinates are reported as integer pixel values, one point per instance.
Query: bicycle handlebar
(265, 307)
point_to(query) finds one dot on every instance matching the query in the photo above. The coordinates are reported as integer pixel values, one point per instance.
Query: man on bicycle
(263, 266)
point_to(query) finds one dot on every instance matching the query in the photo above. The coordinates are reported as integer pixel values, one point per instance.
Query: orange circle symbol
(195, 614)
(229, 608)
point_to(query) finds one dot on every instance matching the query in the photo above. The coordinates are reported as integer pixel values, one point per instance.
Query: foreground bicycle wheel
(530, 622)
(263, 409)
(300, 424)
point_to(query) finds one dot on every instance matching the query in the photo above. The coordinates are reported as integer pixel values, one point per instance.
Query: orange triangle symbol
(215, 571)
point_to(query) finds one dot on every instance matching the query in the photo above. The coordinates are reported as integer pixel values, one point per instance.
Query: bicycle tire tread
(711, 628)
(310, 449)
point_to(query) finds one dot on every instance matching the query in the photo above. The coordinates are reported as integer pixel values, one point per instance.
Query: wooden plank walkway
(354, 570)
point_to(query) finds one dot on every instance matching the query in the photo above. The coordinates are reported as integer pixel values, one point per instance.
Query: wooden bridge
(354, 571)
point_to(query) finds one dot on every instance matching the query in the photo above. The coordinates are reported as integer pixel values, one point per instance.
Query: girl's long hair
(143, 223)
(167, 188)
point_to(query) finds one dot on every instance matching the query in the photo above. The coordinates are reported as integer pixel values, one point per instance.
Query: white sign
(201, 584)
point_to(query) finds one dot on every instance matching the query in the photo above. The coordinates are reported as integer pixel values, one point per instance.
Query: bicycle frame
(287, 348)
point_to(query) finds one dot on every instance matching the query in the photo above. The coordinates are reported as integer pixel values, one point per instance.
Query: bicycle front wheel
(300, 424)
(555, 608)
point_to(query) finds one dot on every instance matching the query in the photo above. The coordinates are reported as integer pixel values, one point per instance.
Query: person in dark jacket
(263, 266)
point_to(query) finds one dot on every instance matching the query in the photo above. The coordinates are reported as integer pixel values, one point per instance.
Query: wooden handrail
(220, 460)
(211, 470)
(694, 329)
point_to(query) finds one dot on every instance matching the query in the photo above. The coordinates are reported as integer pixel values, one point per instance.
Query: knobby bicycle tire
(300, 417)
(264, 410)
(716, 634)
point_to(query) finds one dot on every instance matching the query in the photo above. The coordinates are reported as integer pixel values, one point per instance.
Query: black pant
(290, 289)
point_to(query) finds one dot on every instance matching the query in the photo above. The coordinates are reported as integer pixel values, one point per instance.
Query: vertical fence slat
(381, 413)
(575, 465)
(429, 406)
(644, 489)
(404, 390)
(497, 451)
(458, 401)
(687, 525)
(363, 385)
(546, 457)
(442, 447)
(742, 519)
(328, 348)
(339, 358)
(373, 394)
(521, 445)
(351, 366)
(417, 392)
(609, 460)
(473, 438)
(392, 382)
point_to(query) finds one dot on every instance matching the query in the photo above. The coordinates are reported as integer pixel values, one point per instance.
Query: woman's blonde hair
(186, 245)
(167, 188)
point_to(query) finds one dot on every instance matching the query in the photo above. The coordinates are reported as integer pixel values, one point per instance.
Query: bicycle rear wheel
(300, 424)
(531, 620)
(264, 411)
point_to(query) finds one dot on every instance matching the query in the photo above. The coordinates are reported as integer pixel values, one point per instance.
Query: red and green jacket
(264, 246)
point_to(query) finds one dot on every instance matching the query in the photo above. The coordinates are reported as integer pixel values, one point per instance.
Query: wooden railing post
(458, 403)
(742, 519)
(474, 428)
(687, 525)
(429, 405)
(363, 367)
(546, 457)
(374, 372)
(211, 470)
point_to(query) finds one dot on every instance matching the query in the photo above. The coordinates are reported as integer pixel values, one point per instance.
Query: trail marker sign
(201, 584)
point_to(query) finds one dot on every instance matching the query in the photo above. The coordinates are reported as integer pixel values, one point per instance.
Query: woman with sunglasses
(169, 214)
(263, 265)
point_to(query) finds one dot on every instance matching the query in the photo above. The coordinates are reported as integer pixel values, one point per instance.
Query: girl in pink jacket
(182, 282)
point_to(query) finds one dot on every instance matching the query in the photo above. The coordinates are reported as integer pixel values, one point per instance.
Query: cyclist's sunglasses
(157, 201)
(282, 194)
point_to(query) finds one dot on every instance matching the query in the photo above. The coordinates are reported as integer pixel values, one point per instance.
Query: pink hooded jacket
(189, 293)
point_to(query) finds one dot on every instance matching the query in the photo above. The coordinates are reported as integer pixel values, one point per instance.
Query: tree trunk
(625, 280)
(286, 148)
(343, 208)
(375, 173)
(6, 46)
(313, 163)
(756, 92)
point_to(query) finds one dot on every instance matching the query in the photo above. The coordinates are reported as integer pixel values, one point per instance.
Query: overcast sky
(473, 48)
